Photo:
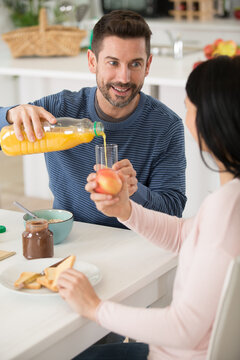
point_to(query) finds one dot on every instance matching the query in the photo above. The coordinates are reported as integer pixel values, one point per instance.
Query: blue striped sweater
(152, 138)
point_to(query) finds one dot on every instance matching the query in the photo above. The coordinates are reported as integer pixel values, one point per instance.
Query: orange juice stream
(51, 141)
(105, 148)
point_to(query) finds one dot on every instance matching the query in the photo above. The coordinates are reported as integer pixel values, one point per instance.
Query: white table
(134, 272)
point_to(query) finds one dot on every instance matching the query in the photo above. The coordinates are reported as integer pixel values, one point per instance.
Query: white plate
(12, 273)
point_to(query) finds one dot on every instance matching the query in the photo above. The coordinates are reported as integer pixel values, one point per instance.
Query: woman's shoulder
(225, 196)
(221, 209)
(219, 215)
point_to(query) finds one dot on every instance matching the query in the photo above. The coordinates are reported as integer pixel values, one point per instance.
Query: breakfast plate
(11, 274)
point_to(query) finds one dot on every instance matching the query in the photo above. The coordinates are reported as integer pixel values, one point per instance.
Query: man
(150, 136)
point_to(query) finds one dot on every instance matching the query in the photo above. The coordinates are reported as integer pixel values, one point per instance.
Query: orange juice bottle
(63, 135)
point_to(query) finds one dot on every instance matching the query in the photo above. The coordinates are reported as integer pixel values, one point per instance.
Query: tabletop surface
(127, 263)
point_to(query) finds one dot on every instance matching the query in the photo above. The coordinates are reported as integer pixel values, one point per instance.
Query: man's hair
(214, 88)
(125, 24)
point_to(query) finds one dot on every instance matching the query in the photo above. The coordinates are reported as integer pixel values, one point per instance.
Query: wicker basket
(44, 40)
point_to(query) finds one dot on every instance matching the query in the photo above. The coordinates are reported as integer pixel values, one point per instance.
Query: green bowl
(60, 230)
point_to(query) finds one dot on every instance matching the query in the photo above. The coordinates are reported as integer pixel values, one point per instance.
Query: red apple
(108, 182)
(216, 42)
(208, 50)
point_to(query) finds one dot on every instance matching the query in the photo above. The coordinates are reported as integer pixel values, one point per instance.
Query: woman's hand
(28, 117)
(75, 288)
(125, 168)
(118, 206)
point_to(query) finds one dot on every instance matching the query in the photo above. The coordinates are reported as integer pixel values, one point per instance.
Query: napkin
(5, 254)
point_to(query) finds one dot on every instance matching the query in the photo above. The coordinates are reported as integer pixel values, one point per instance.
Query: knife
(35, 276)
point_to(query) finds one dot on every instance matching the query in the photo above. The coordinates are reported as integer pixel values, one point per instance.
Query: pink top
(206, 245)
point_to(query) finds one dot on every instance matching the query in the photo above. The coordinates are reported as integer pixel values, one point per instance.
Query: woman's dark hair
(214, 88)
(122, 23)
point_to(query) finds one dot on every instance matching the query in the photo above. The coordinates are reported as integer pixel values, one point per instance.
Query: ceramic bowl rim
(67, 211)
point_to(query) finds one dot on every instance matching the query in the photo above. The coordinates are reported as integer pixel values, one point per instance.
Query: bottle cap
(98, 128)
(95, 128)
(2, 228)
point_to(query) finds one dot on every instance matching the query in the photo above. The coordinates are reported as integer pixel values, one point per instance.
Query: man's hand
(125, 168)
(28, 117)
(75, 288)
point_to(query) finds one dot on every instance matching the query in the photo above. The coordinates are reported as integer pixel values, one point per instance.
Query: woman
(206, 243)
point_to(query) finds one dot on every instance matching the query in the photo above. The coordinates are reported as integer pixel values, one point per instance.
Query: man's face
(120, 69)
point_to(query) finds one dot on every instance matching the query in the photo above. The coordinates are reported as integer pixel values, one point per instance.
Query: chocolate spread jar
(37, 239)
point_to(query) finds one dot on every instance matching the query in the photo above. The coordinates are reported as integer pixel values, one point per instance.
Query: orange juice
(56, 137)
(105, 148)
(51, 141)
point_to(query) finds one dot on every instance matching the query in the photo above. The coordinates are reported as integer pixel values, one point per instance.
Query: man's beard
(120, 101)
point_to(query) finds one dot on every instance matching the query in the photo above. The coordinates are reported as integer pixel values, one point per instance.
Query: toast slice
(50, 273)
(33, 285)
(67, 264)
(43, 281)
(23, 279)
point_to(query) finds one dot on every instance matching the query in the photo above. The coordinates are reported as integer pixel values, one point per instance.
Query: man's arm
(3, 116)
(30, 115)
(165, 190)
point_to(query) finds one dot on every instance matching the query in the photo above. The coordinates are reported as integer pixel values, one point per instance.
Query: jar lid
(37, 224)
(2, 229)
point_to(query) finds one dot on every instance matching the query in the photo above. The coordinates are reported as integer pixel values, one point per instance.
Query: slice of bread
(24, 277)
(43, 280)
(33, 285)
(66, 264)
(50, 273)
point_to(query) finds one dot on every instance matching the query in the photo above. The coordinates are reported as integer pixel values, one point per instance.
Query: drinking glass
(106, 160)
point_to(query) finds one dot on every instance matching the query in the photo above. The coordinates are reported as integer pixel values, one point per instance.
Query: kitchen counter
(195, 32)
(164, 70)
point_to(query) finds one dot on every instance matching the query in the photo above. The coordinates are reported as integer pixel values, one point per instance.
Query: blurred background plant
(66, 12)
(70, 12)
(24, 12)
